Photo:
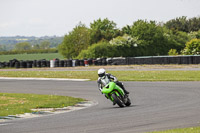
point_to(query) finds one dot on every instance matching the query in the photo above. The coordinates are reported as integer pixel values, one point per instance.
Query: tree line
(143, 38)
(26, 47)
(8, 43)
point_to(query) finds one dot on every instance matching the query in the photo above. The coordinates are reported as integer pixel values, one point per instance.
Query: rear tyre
(118, 100)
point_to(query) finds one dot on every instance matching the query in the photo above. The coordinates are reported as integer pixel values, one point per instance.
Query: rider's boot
(122, 86)
(125, 91)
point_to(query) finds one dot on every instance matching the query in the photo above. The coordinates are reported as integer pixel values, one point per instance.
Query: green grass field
(182, 130)
(121, 75)
(12, 104)
(47, 56)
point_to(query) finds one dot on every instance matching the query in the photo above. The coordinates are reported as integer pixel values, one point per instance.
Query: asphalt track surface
(155, 106)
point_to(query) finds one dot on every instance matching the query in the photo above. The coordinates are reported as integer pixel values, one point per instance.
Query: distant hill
(8, 42)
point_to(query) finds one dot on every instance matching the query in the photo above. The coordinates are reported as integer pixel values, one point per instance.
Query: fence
(193, 59)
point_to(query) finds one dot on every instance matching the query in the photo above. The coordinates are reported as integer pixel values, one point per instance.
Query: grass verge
(12, 104)
(121, 75)
(182, 130)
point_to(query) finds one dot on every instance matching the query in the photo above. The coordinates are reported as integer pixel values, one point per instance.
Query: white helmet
(101, 72)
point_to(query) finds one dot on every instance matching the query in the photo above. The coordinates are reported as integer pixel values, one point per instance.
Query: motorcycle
(116, 94)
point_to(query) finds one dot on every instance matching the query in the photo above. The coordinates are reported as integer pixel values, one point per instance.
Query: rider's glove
(100, 90)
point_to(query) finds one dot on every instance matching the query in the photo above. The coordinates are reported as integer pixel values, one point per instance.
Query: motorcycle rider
(105, 78)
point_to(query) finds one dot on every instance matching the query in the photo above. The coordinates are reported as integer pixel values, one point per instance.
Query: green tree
(44, 45)
(184, 24)
(127, 30)
(74, 42)
(23, 46)
(178, 24)
(194, 24)
(176, 40)
(103, 30)
(192, 47)
(195, 34)
(37, 46)
(2, 48)
(151, 36)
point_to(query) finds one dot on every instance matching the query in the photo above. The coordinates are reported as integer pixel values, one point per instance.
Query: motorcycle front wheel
(118, 100)
(128, 103)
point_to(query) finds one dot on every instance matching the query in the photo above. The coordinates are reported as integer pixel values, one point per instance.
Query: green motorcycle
(116, 94)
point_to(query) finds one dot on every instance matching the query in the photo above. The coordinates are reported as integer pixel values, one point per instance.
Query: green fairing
(112, 86)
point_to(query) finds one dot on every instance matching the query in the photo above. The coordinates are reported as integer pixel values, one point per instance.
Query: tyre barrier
(69, 63)
(23, 64)
(109, 61)
(90, 61)
(95, 62)
(2, 65)
(196, 60)
(65, 63)
(17, 64)
(43, 63)
(75, 62)
(99, 61)
(12, 62)
(61, 63)
(29, 64)
(56, 62)
(82, 62)
(86, 63)
(38, 63)
(119, 61)
(192, 59)
(48, 63)
(104, 61)
(7, 64)
(35, 63)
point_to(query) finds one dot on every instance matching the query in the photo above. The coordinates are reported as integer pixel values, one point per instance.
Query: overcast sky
(58, 17)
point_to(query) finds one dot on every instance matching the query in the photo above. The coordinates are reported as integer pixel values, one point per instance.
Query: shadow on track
(117, 107)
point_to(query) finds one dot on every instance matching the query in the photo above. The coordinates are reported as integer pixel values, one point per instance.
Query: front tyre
(118, 100)
(128, 103)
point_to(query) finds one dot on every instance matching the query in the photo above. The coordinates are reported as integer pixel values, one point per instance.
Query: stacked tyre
(61, 63)
(82, 62)
(29, 64)
(69, 63)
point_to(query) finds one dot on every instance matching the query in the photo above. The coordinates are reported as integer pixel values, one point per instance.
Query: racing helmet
(101, 72)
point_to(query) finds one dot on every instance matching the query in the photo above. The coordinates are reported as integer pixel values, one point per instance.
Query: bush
(192, 47)
(172, 52)
(126, 46)
(101, 49)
